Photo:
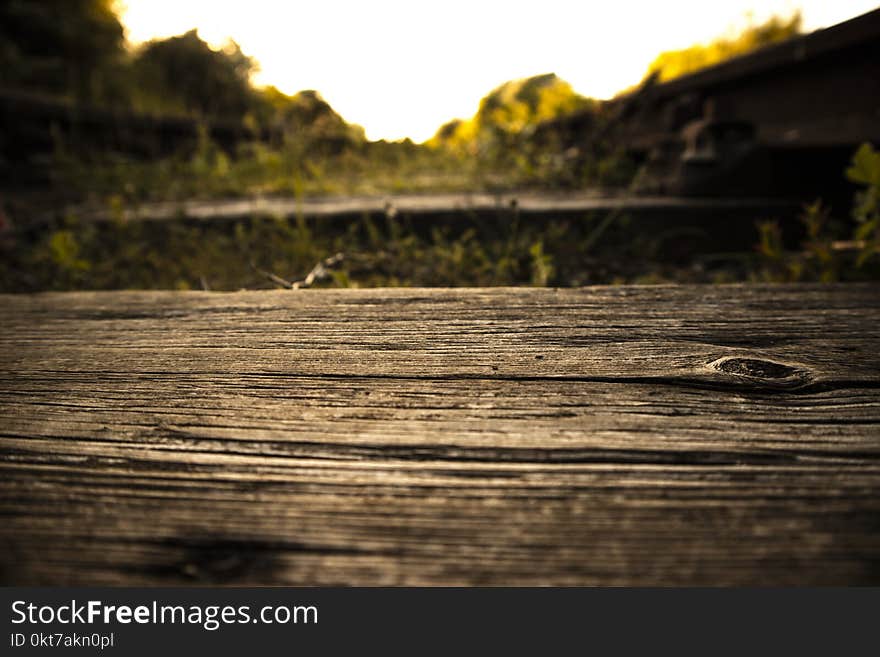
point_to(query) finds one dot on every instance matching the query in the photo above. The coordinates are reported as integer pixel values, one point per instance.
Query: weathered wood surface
(457, 205)
(647, 435)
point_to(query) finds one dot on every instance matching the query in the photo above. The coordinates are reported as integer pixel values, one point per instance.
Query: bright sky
(402, 68)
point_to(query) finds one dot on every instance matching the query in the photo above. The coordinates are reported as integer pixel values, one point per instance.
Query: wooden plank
(462, 206)
(635, 435)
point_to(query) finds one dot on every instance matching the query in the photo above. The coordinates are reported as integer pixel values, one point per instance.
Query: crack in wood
(645, 435)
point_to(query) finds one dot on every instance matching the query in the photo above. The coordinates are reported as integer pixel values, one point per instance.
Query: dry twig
(319, 272)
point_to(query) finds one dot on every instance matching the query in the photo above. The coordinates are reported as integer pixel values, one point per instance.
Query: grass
(69, 253)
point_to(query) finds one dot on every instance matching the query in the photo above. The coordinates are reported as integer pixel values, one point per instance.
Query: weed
(865, 171)
(824, 255)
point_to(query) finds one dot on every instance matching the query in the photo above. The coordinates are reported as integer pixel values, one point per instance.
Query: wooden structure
(783, 120)
(461, 207)
(629, 435)
(820, 89)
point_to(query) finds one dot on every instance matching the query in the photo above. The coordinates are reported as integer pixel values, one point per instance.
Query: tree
(675, 63)
(73, 48)
(508, 112)
(184, 73)
(305, 118)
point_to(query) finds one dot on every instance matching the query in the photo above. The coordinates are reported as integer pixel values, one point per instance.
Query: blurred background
(223, 146)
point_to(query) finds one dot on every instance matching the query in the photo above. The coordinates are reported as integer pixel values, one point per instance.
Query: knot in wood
(761, 371)
(756, 368)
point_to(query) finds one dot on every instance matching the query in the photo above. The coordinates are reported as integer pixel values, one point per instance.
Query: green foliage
(817, 260)
(675, 63)
(71, 48)
(386, 251)
(823, 262)
(306, 119)
(541, 265)
(506, 115)
(517, 105)
(301, 146)
(185, 74)
(64, 251)
(824, 255)
(306, 162)
(536, 132)
(299, 143)
(865, 171)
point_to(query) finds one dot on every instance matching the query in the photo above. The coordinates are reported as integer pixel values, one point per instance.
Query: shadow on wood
(644, 435)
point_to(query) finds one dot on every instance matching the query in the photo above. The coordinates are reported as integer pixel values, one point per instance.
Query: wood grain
(633, 435)
(424, 206)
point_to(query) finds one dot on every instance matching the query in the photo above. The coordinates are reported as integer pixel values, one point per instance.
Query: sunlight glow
(402, 68)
